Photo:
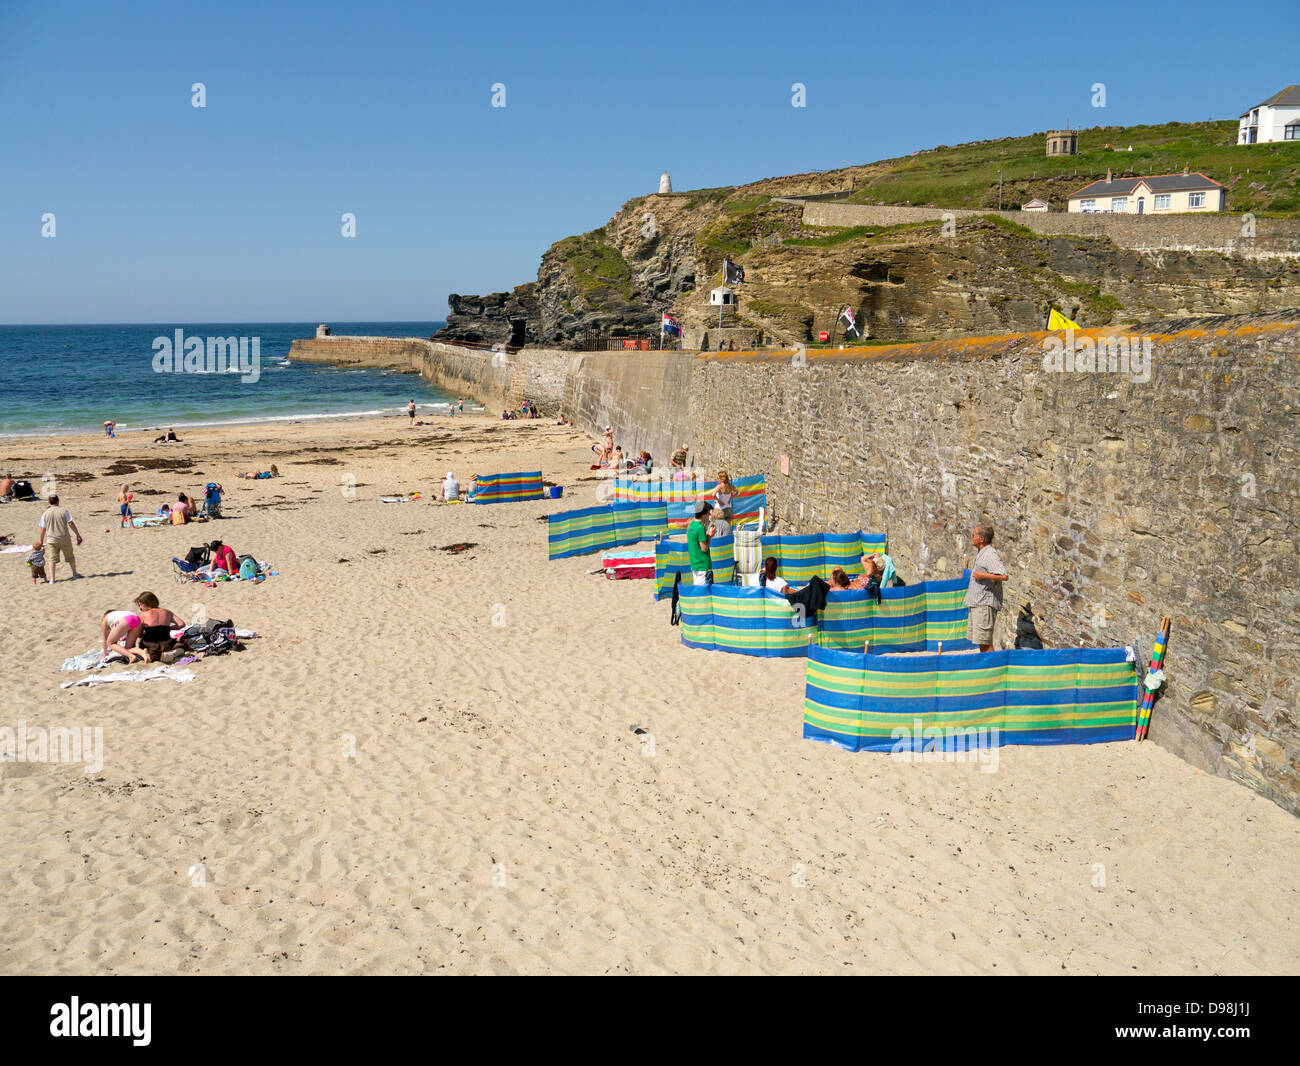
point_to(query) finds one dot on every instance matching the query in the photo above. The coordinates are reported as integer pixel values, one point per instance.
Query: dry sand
(499, 815)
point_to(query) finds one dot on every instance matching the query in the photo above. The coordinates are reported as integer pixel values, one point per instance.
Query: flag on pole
(850, 323)
(732, 273)
(670, 326)
(1056, 320)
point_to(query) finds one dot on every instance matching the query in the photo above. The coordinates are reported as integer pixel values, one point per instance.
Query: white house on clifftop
(1156, 194)
(1276, 119)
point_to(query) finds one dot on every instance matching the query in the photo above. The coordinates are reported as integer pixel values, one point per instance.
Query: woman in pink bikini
(121, 633)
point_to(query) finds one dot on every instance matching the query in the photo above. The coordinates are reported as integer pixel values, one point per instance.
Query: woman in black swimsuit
(156, 624)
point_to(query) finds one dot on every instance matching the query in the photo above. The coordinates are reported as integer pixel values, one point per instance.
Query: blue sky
(166, 212)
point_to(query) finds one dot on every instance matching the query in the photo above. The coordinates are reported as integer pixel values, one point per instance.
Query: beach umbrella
(1154, 679)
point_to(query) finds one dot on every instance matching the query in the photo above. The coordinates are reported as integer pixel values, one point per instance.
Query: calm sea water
(74, 378)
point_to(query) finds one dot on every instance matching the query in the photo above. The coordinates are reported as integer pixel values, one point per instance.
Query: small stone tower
(665, 183)
(1062, 142)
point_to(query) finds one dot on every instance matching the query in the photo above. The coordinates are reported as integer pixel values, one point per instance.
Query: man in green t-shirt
(697, 543)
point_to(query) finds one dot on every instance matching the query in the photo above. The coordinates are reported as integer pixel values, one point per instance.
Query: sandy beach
(499, 814)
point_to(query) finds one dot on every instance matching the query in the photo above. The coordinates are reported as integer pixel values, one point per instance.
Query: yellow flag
(1056, 320)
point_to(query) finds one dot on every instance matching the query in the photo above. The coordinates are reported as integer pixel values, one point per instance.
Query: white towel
(161, 672)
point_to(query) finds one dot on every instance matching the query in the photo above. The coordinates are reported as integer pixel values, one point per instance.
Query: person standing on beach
(124, 499)
(57, 531)
(410, 410)
(984, 596)
(697, 544)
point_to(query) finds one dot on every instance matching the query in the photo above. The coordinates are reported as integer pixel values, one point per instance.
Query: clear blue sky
(169, 213)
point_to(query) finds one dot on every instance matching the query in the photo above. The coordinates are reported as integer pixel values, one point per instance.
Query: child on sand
(124, 499)
(36, 560)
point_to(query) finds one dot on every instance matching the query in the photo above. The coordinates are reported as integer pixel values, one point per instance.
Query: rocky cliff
(907, 282)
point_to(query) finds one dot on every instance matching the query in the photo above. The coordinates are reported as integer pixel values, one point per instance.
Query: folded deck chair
(184, 571)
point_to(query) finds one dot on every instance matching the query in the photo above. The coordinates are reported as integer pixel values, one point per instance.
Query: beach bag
(248, 568)
(178, 516)
(23, 490)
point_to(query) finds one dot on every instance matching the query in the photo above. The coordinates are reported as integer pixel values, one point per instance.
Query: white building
(1158, 194)
(1276, 119)
(1036, 204)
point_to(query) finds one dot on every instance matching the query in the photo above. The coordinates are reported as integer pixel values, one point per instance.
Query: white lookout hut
(722, 297)
(665, 183)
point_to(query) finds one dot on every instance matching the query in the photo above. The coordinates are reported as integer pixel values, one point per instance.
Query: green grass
(598, 269)
(736, 228)
(967, 175)
(833, 236)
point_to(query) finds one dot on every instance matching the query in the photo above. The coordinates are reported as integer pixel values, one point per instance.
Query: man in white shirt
(450, 488)
(57, 530)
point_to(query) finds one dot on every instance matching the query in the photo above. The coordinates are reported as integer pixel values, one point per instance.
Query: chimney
(1185, 166)
(1108, 178)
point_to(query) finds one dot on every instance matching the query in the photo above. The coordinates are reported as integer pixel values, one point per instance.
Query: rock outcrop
(913, 281)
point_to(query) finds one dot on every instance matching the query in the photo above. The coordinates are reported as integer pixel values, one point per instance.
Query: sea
(72, 379)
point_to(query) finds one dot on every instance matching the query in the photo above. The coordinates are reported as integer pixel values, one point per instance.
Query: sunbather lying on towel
(261, 475)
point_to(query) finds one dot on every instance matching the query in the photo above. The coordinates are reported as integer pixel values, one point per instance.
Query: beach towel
(93, 659)
(632, 563)
(16, 548)
(161, 672)
(399, 499)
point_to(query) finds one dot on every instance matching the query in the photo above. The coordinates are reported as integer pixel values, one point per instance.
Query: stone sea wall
(1114, 500)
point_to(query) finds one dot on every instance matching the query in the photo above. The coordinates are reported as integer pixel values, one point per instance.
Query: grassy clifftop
(1261, 177)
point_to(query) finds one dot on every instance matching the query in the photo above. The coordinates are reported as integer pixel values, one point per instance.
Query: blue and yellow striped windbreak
(941, 702)
(756, 621)
(672, 559)
(595, 528)
(742, 620)
(801, 557)
(911, 618)
(508, 488)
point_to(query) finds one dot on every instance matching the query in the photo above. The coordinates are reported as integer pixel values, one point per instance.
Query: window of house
(1119, 203)
(1196, 199)
(1163, 202)
(1291, 132)
(1087, 205)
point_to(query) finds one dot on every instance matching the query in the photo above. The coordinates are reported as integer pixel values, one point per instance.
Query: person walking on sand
(57, 531)
(410, 411)
(984, 596)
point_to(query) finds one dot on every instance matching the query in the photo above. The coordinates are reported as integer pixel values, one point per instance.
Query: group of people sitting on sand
(610, 456)
(140, 635)
(184, 510)
(877, 573)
